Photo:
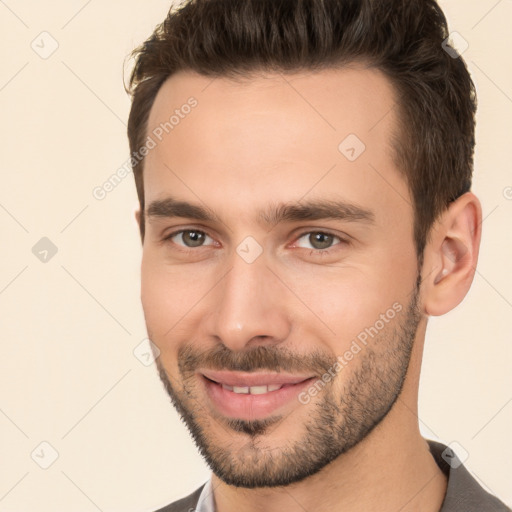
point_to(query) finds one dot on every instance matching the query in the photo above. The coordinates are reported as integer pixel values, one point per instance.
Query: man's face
(327, 298)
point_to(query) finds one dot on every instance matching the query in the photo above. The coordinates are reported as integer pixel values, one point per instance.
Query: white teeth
(258, 390)
(253, 390)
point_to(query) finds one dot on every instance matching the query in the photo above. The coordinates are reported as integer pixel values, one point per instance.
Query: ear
(451, 255)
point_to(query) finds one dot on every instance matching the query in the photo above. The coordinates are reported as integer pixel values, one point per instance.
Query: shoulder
(463, 492)
(186, 504)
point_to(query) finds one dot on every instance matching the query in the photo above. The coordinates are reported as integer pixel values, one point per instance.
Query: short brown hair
(404, 39)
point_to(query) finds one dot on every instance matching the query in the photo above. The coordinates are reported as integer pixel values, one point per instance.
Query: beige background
(69, 326)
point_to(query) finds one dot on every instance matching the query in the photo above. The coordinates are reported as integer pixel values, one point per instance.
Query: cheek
(171, 297)
(155, 297)
(161, 313)
(160, 297)
(345, 308)
(346, 303)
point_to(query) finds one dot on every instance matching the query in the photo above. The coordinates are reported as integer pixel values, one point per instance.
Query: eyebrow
(283, 212)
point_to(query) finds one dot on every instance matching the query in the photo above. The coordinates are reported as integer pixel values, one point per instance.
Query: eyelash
(318, 252)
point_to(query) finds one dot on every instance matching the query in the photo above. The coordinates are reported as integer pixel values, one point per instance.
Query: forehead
(286, 130)
(354, 97)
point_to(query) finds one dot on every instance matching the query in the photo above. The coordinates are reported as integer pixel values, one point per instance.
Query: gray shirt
(463, 493)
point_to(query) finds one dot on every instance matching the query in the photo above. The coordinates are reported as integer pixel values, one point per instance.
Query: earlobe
(452, 255)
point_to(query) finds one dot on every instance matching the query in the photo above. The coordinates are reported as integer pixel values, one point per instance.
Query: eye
(189, 238)
(319, 240)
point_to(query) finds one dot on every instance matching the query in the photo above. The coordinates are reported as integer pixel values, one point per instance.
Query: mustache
(263, 357)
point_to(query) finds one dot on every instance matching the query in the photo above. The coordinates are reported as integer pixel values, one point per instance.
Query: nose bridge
(247, 302)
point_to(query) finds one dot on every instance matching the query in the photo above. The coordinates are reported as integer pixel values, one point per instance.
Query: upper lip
(241, 379)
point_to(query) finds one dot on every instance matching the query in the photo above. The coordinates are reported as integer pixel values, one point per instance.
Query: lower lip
(250, 407)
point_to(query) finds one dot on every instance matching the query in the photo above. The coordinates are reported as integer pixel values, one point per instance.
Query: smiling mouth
(253, 396)
(237, 381)
(251, 390)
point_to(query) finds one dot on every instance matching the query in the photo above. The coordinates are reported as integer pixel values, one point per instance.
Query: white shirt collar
(205, 502)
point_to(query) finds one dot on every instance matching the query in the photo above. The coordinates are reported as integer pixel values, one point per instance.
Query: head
(319, 168)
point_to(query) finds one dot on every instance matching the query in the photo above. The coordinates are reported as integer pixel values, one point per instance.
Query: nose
(250, 306)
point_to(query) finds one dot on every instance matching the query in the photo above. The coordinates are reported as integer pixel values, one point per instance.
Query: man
(304, 171)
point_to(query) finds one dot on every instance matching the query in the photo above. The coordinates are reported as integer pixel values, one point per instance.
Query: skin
(356, 445)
